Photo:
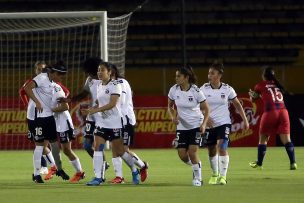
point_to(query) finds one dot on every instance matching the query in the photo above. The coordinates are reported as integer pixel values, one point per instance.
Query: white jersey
(30, 112)
(63, 119)
(91, 86)
(188, 106)
(110, 118)
(126, 101)
(44, 92)
(218, 100)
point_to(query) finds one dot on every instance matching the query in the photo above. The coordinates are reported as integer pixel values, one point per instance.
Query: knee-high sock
(129, 161)
(223, 165)
(117, 164)
(76, 164)
(197, 171)
(56, 155)
(50, 159)
(261, 153)
(98, 164)
(137, 161)
(214, 164)
(37, 159)
(290, 151)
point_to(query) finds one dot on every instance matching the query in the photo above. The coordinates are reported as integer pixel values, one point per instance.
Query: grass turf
(169, 180)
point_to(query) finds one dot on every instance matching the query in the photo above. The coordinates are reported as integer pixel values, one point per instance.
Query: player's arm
(206, 111)
(61, 107)
(172, 111)
(23, 96)
(80, 96)
(113, 101)
(29, 91)
(236, 103)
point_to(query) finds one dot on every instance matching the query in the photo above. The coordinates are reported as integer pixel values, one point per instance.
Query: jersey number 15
(276, 94)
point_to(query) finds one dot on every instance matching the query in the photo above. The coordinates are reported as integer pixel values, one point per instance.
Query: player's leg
(99, 144)
(89, 138)
(182, 147)
(211, 143)
(222, 145)
(194, 137)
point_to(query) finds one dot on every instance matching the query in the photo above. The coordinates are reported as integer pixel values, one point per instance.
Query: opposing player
(64, 124)
(30, 113)
(108, 124)
(191, 116)
(41, 90)
(218, 96)
(275, 119)
(129, 122)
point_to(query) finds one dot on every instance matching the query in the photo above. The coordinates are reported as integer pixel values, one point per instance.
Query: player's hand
(175, 120)
(39, 107)
(246, 125)
(64, 100)
(85, 112)
(210, 123)
(253, 94)
(203, 128)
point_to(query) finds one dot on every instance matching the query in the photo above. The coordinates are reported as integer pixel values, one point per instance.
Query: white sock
(117, 165)
(129, 161)
(37, 159)
(214, 164)
(50, 159)
(137, 161)
(223, 165)
(197, 171)
(98, 163)
(77, 165)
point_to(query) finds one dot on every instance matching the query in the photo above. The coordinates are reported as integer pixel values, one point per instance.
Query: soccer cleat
(135, 177)
(222, 180)
(77, 177)
(144, 172)
(196, 183)
(44, 171)
(293, 166)
(51, 172)
(118, 180)
(62, 174)
(213, 179)
(37, 179)
(95, 182)
(107, 165)
(254, 164)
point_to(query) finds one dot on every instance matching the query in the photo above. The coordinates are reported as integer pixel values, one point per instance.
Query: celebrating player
(108, 124)
(191, 118)
(129, 122)
(275, 119)
(218, 96)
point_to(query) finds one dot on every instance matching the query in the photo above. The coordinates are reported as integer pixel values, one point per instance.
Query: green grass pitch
(169, 180)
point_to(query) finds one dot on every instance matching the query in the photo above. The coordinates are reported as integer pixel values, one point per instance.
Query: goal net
(50, 36)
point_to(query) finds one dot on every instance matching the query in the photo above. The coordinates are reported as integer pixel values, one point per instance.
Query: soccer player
(108, 124)
(90, 67)
(191, 115)
(64, 124)
(275, 119)
(129, 122)
(40, 90)
(216, 138)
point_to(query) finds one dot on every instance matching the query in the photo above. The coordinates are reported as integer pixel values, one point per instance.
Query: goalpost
(49, 36)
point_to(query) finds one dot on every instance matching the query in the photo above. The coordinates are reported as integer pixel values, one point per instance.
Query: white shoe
(196, 183)
(44, 170)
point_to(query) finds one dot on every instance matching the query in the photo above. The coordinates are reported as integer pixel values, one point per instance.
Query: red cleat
(118, 180)
(77, 177)
(52, 171)
(144, 172)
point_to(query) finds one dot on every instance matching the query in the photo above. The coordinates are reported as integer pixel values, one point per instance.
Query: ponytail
(188, 71)
(269, 75)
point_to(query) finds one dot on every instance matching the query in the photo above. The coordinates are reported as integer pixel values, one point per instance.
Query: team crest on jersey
(107, 91)
(222, 96)
(57, 89)
(190, 98)
(177, 97)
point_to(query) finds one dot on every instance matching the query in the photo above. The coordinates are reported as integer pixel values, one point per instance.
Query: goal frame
(100, 15)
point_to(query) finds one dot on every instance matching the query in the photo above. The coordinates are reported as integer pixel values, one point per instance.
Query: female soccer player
(190, 117)
(129, 122)
(108, 124)
(64, 124)
(275, 119)
(218, 96)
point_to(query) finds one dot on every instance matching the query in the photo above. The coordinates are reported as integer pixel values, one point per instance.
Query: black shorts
(128, 133)
(67, 136)
(185, 138)
(31, 125)
(217, 133)
(45, 129)
(108, 133)
(89, 129)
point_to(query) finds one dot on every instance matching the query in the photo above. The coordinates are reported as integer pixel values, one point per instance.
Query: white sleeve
(86, 86)
(232, 94)
(171, 93)
(38, 80)
(115, 89)
(200, 96)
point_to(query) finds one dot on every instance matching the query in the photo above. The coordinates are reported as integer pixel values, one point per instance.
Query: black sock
(261, 153)
(290, 151)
